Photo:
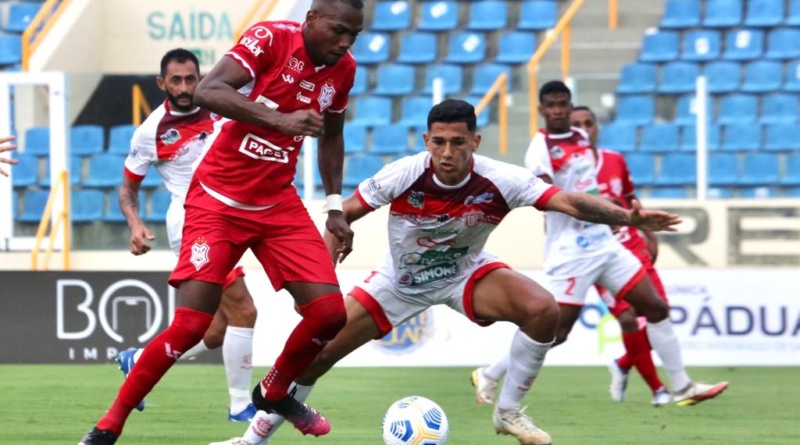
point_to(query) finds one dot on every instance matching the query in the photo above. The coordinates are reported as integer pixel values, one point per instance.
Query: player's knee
(656, 311)
(627, 321)
(541, 308)
(326, 315)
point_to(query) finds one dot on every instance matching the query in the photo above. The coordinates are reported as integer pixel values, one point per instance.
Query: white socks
(237, 353)
(665, 343)
(196, 350)
(496, 370)
(525, 361)
(264, 425)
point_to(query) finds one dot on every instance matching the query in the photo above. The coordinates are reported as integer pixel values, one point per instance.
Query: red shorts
(283, 238)
(621, 305)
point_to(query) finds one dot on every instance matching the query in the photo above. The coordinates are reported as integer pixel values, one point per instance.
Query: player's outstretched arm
(598, 210)
(129, 204)
(6, 145)
(352, 210)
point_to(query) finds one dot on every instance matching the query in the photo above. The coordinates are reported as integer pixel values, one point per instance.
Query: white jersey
(436, 231)
(568, 160)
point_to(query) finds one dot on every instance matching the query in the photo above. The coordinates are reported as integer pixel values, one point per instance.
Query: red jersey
(614, 182)
(250, 166)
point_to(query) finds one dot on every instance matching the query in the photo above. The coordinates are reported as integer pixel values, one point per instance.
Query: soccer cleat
(698, 392)
(485, 387)
(244, 415)
(99, 437)
(305, 418)
(126, 362)
(514, 422)
(619, 382)
(661, 397)
(234, 441)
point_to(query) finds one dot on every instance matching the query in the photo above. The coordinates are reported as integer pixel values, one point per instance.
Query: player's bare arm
(650, 238)
(6, 145)
(331, 162)
(218, 92)
(352, 210)
(129, 204)
(594, 209)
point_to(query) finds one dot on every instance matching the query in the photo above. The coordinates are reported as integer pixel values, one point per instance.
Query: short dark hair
(553, 87)
(356, 4)
(585, 108)
(179, 55)
(452, 111)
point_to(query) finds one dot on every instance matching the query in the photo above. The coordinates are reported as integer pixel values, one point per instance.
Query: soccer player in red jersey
(614, 182)
(282, 82)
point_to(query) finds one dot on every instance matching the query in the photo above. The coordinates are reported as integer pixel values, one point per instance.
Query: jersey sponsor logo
(199, 252)
(472, 219)
(288, 79)
(585, 241)
(170, 136)
(326, 96)
(416, 199)
(295, 64)
(262, 33)
(299, 138)
(429, 275)
(373, 185)
(429, 242)
(584, 184)
(483, 198)
(261, 149)
(304, 99)
(252, 45)
(307, 85)
(557, 152)
(431, 257)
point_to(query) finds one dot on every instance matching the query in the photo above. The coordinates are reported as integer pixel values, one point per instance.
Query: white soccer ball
(415, 421)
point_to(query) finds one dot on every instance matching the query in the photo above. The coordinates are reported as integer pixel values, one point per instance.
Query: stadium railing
(258, 12)
(62, 221)
(500, 89)
(39, 27)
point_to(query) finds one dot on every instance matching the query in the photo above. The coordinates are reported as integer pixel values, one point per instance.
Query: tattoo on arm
(598, 210)
(129, 199)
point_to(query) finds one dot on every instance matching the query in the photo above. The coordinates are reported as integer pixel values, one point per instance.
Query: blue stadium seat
(618, 136)
(758, 192)
(660, 138)
(419, 141)
(105, 170)
(37, 141)
(417, 47)
(10, 50)
(762, 76)
(389, 139)
(722, 76)
(114, 213)
(687, 110)
(642, 168)
(689, 137)
(361, 81)
(779, 108)
(678, 78)
(159, 204)
(438, 16)
(86, 140)
(681, 14)
(791, 174)
(20, 16)
(451, 75)
(723, 169)
(678, 169)
(636, 109)
(360, 168)
(355, 138)
(466, 47)
(701, 45)
(723, 13)
(792, 77)
(782, 137)
(26, 173)
(792, 192)
(637, 78)
(75, 172)
(87, 206)
(764, 13)
(372, 111)
(119, 139)
(394, 80)
(744, 44)
(391, 16)
(537, 15)
(487, 15)
(152, 179)
(738, 108)
(719, 192)
(515, 47)
(33, 203)
(782, 44)
(793, 18)
(483, 117)
(483, 76)
(415, 110)
(659, 47)
(371, 48)
(760, 169)
(669, 193)
(741, 137)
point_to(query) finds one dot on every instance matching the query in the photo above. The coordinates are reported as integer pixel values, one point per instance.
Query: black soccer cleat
(303, 417)
(99, 437)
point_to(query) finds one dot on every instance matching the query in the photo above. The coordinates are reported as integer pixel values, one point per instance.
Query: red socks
(186, 330)
(322, 319)
(637, 348)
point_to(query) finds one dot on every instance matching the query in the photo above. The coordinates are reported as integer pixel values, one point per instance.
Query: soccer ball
(415, 421)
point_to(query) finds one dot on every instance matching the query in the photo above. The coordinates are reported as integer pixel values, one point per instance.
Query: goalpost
(55, 83)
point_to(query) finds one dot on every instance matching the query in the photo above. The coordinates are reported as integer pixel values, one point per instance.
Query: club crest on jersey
(326, 96)
(416, 199)
(557, 152)
(483, 198)
(199, 252)
(170, 136)
(472, 219)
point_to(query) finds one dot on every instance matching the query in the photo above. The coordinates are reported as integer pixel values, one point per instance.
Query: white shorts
(175, 215)
(617, 270)
(389, 307)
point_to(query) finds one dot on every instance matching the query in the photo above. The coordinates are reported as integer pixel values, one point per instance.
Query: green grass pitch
(46, 405)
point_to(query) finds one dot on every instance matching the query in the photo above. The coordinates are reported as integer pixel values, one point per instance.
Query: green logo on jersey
(429, 275)
(432, 257)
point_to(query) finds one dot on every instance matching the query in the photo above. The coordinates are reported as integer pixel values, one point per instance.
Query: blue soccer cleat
(126, 362)
(245, 415)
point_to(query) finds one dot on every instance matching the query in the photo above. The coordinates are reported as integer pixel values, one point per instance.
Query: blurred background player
(580, 254)
(171, 139)
(615, 183)
(6, 145)
(462, 197)
(282, 82)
